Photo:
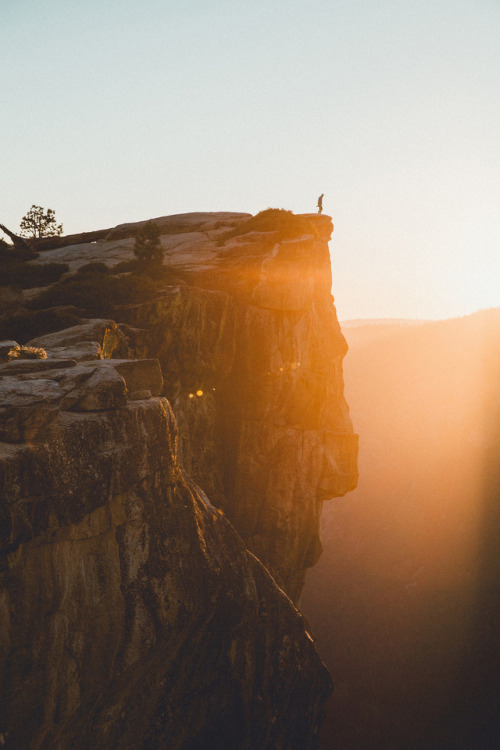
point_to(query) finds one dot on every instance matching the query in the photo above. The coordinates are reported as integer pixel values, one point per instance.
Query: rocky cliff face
(134, 614)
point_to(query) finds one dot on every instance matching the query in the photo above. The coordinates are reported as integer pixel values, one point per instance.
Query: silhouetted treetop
(147, 247)
(40, 223)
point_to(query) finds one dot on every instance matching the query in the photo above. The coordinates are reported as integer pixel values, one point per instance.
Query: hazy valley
(405, 600)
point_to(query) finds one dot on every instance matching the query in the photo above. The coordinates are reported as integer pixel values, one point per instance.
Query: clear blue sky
(120, 110)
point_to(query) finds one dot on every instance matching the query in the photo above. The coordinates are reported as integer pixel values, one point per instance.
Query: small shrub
(27, 352)
(285, 224)
(94, 267)
(96, 292)
(147, 247)
(11, 254)
(165, 274)
(124, 266)
(158, 273)
(31, 275)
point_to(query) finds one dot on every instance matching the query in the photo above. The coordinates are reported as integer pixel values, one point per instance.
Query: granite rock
(106, 333)
(251, 352)
(132, 605)
(135, 611)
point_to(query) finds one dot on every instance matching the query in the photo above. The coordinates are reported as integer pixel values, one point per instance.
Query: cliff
(136, 611)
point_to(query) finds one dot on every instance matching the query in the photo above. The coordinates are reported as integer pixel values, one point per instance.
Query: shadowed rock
(133, 605)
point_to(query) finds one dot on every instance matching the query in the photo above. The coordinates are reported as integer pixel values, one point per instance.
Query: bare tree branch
(17, 241)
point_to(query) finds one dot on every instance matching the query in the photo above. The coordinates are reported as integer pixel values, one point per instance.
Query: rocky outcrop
(251, 352)
(131, 613)
(137, 612)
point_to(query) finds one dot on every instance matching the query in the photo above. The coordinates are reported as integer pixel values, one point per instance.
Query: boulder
(140, 395)
(32, 392)
(104, 389)
(26, 366)
(81, 351)
(26, 407)
(105, 332)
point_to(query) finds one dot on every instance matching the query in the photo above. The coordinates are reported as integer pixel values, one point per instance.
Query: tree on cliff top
(147, 246)
(40, 223)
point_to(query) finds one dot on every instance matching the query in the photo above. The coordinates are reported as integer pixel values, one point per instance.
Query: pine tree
(37, 223)
(147, 244)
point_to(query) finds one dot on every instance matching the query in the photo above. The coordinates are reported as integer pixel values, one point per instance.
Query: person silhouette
(320, 203)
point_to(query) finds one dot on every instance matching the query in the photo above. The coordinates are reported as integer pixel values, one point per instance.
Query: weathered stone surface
(10, 299)
(37, 366)
(31, 391)
(26, 406)
(192, 331)
(138, 395)
(105, 332)
(185, 240)
(82, 351)
(277, 471)
(251, 355)
(104, 389)
(134, 343)
(134, 608)
(180, 223)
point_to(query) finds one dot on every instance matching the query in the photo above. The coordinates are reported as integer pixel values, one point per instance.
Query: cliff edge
(136, 611)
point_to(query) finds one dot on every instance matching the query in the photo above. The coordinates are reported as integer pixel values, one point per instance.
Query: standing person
(320, 203)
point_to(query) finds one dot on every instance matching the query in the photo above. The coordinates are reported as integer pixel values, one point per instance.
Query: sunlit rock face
(251, 352)
(135, 612)
(131, 613)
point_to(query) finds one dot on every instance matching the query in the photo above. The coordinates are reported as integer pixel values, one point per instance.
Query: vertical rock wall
(132, 615)
(251, 351)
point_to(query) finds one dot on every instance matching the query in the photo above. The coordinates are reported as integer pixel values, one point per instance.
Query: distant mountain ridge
(358, 322)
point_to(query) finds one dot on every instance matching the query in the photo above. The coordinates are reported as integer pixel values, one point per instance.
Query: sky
(122, 110)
